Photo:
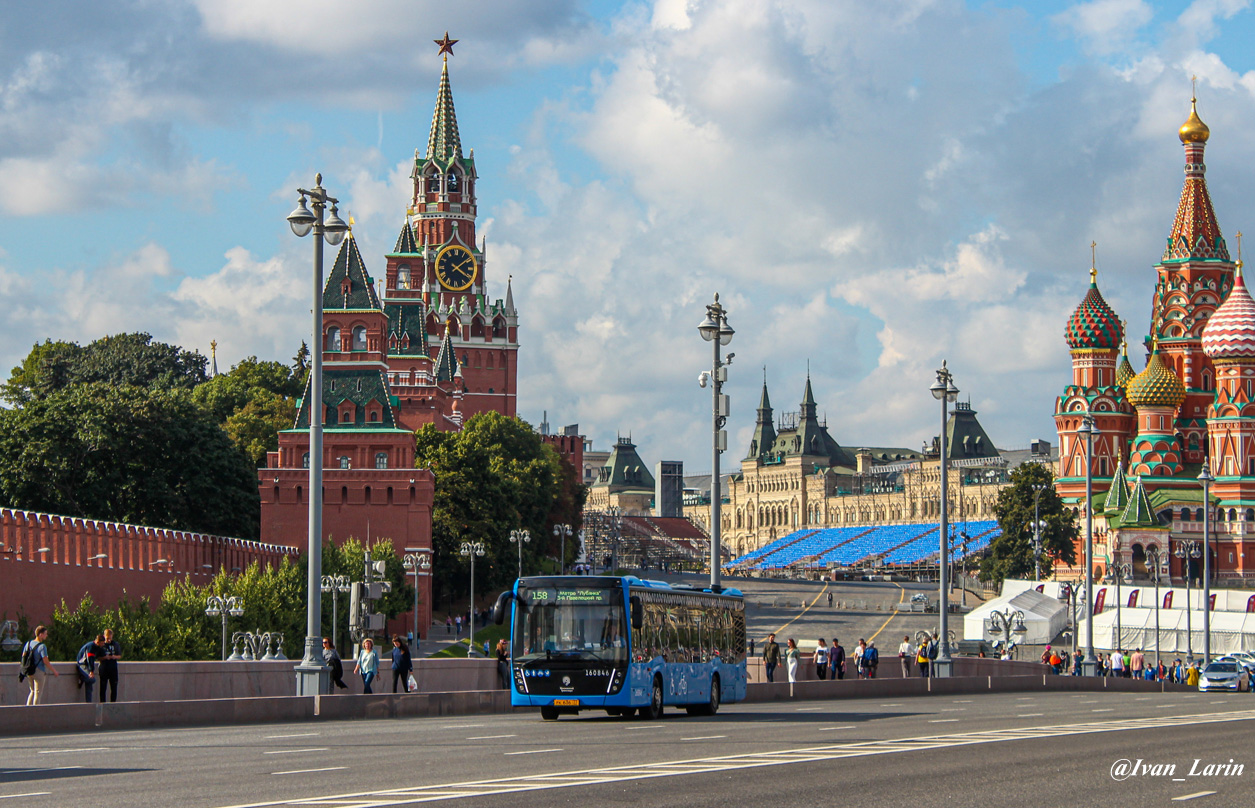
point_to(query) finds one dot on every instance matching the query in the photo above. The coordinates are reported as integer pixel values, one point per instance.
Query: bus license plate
(566, 702)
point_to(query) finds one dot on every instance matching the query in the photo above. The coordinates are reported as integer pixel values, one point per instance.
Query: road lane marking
(943, 720)
(963, 701)
(63, 751)
(1193, 796)
(953, 709)
(901, 599)
(1104, 710)
(723, 763)
(1030, 715)
(651, 726)
(489, 737)
(462, 726)
(311, 771)
(27, 794)
(1222, 701)
(296, 751)
(533, 751)
(810, 709)
(892, 704)
(833, 729)
(804, 611)
(294, 735)
(704, 738)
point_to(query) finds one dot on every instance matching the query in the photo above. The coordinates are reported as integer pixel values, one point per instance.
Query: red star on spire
(446, 44)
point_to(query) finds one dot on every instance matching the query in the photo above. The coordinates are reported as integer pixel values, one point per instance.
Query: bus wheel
(549, 713)
(712, 706)
(654, 711)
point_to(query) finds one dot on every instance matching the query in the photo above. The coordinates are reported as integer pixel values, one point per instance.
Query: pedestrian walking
(829, 600)
(1137, 664)
(1117, 663)
(367, 664)
(503, 663)
(836, 659)
(402, 663)
(771, 657)
(457, 622)
(871, 660)
(821, 660)
(792, 657)
(906, 655)
(85, 663)
(36, 666)
(332, 659)
(922, 658)
(859, 666)
(107, 673)
(448, 625)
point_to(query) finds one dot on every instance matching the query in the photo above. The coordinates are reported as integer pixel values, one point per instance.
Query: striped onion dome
(1230, 333)
(1156, 386)
(1125, 371)
(1093, 324)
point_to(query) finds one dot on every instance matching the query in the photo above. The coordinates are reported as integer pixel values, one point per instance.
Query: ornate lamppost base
(313, 677)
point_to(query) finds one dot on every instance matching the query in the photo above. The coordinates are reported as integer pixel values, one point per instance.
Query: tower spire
(1195, 231)
(443, 142)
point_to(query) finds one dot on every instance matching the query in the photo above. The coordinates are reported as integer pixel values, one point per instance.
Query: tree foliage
(253, 402)
(129, 454)
(120, 359)
(494, 476)
(1011, 555)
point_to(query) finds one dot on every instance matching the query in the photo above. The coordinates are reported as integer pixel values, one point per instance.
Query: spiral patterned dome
(1230, 333)
(1125, 371)
(1093, 324)
(1156, 386)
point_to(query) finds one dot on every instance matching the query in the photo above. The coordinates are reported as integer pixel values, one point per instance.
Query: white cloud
(1106, 26)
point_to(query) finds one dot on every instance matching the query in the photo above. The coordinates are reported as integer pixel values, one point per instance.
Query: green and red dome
(1094, 324)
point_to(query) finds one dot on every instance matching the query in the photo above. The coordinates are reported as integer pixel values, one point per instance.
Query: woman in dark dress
(402, 664)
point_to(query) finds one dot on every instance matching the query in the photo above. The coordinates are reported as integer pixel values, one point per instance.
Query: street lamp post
(1154, 557)
(417, 563)
(470, 549)
(1185, 551)
(715, 330)
(1120, 571)
(1089, 665)
(1005, 623)
(521, 537)
(944, 391)
(217, 605)
(312, 673)
(562, 532)
(335, 584)
(1038, 527)
(1206, 478)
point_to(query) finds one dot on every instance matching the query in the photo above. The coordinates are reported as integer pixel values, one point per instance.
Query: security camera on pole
(715, 330)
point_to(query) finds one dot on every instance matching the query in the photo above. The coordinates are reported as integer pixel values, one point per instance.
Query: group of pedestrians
(366, 665)
(829, 660)
(921, 655)
(95, 663)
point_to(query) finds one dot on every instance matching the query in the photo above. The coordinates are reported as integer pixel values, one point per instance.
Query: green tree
(120, 359)
(252, 402)
(1011, 555)
(128, 454)
(494, 476)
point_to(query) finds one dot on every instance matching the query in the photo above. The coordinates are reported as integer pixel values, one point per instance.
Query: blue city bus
(572, 650)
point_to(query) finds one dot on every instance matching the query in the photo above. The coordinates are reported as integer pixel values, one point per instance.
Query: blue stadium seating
(845, 546)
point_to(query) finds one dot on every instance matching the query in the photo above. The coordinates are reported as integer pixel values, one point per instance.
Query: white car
(1225, 675)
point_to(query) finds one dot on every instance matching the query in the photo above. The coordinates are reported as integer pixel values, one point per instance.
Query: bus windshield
(570, 623)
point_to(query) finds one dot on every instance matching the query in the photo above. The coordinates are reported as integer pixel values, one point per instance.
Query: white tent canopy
(1044, 617)
(1230, 631)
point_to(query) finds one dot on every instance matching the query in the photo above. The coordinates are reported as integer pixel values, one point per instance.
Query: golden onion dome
(1194, 130)
(1156, 386)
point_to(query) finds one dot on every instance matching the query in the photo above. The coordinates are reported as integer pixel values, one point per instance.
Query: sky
(872, 188)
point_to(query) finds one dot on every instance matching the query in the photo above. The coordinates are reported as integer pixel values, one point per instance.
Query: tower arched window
(454, 182)
(359, 338)
(433, 183)
(381, 460)
(403, 276)
(305, 460)
(333, 339)
(344, 461)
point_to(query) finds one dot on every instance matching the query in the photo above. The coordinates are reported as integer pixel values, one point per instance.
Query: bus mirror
(501, 606)
(638, 613)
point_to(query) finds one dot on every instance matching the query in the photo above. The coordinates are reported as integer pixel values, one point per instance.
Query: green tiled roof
(965, 437)
(360, 386)
(1138, 511)
(1117, 492)
(446, 360)
(764, 429)
(405, 319)
(348, 285)
(443, 142)
(624, 470)
(405, 241)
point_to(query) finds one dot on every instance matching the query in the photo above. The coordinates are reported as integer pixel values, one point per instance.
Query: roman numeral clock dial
(455, 268)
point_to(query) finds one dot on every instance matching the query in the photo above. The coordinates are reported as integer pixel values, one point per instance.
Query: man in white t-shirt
(906, 653)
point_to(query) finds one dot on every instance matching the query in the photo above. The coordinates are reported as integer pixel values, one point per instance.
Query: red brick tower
(441, 322)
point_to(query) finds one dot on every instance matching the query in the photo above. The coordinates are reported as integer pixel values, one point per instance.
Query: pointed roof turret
(349, 286)
(446, 360)
(509, 296)
(1138, 512)
(1195, 231)
(443, 142)
(1117, 492)
(808, 400)
(405, 240)
(764, 428)
(1125, 371)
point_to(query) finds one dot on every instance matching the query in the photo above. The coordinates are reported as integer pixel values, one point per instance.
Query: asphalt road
(997, 750)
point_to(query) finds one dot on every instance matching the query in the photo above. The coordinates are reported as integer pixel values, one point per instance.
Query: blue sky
(871, 187)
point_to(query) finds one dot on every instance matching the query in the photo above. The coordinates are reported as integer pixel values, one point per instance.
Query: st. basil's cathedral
(1191, 404)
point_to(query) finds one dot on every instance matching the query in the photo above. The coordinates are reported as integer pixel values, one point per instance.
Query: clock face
(455, 268)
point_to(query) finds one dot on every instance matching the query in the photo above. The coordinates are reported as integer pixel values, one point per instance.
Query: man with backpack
(36, 665)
